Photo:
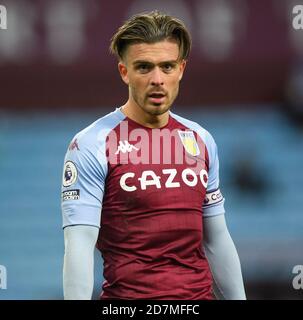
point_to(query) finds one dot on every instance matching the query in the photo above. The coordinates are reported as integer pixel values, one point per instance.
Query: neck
(138, 115)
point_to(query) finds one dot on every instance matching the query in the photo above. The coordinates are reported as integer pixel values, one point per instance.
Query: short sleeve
(84, 174)
(214, 200)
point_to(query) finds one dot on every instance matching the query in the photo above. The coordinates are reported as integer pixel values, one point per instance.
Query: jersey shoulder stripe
(98, 130)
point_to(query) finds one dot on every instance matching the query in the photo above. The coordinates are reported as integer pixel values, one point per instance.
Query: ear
(123, 72)
(182, 68)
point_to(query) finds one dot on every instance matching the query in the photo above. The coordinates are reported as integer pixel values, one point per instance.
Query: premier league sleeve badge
(70, 174)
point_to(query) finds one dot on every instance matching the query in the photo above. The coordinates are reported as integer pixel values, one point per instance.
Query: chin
(157, 109)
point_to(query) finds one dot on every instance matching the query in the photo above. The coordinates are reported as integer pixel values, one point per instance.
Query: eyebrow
(136, 62)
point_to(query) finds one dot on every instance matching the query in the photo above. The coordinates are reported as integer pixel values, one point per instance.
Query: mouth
(157, 97)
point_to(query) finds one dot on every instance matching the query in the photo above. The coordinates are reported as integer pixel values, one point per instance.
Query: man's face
(153, 73)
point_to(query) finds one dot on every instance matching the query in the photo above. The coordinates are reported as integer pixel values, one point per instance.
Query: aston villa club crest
(189, 142)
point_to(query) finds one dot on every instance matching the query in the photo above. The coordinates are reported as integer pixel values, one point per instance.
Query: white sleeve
(78, 270)
(223, 259)
(214, 200)
(84, 174)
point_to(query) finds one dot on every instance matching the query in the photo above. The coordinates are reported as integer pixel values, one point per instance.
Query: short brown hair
(151, 27)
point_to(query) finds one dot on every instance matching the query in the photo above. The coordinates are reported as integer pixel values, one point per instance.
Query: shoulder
(96, 133)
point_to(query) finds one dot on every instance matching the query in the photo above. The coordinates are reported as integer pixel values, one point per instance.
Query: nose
(156, 77)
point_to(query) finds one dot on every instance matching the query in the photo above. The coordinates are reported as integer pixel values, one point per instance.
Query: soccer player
(142, 184)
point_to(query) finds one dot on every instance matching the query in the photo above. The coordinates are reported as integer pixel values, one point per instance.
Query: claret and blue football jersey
(148, 190)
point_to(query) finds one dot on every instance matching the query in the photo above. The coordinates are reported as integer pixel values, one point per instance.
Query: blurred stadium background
(244, 83)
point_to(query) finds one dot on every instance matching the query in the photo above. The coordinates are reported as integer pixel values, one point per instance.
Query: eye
(167, 67)
(143, 68)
